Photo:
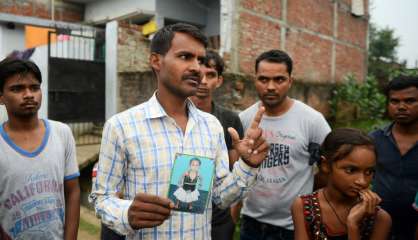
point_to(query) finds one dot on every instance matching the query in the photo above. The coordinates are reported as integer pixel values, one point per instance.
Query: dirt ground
(89, 228)
(85, 235)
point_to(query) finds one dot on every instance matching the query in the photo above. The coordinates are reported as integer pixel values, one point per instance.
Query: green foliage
(403, 72)
(365, 97)
(366, 125)
(382, 55)
(88, 227)
(383, 44)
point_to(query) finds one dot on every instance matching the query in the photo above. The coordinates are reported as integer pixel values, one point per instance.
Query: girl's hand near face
(364, 208)
(367, 207)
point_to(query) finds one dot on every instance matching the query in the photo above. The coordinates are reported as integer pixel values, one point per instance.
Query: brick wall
(322, 36)
(325, 41)
(135, 88)
(64, 11)
(135, 80)
(133, 49)
(255, 36)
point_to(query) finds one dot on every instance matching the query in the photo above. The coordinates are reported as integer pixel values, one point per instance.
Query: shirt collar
(387, 131)
(193, 110)
(155, 110)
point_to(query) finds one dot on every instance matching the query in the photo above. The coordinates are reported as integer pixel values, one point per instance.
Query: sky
(402, 16)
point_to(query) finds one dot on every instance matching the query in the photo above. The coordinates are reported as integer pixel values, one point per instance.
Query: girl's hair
(195, 159)
(341, 142)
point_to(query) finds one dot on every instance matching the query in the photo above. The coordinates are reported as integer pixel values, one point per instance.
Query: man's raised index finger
(258, 117)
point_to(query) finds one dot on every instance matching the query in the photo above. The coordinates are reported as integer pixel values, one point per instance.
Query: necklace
(333, 210)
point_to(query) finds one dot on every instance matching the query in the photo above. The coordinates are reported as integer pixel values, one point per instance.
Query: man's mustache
(195, 76)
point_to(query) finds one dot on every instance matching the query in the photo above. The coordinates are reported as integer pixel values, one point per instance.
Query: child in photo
(189, 183)
(345, 208)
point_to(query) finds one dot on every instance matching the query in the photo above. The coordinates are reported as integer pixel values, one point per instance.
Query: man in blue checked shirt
(140, 144)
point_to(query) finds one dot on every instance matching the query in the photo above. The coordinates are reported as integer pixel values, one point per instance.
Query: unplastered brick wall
(324, 39)
(322, 36)
(135, 88)
(64, 11)
(135, 79)
(133, 48)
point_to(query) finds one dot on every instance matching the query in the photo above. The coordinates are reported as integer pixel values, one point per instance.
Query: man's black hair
(401, 82)
(275, 56)
(10, 67)
(161, 42)
(217, 60)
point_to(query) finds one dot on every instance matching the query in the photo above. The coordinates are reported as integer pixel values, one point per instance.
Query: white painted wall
(10, 39)
(100, 11)
(40, 58)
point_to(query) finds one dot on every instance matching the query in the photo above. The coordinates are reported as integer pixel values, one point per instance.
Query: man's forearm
(232, 187)
(113, 212)
(72, 209)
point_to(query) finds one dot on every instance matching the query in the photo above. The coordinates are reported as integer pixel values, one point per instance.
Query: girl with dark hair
(345, 208)
(188, 191)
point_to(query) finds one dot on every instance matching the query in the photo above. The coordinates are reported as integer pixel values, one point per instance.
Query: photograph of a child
(191, 181)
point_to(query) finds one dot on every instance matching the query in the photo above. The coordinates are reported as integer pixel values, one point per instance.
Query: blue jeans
(252, 229)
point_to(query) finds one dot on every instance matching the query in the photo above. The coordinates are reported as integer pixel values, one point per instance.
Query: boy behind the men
(223, 225)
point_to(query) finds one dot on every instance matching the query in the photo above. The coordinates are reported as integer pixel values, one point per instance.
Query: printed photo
(191, 182)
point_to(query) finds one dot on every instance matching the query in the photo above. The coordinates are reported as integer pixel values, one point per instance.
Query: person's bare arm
(72, 208)
(299, 220)
(236, 211)
(416, 231)
(382, 225)
(364, 208)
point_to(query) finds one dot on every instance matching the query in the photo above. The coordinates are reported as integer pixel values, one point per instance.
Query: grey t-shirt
(285, 173)
(32, 203)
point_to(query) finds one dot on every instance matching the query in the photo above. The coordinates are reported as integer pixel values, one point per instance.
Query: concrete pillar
(111, 68)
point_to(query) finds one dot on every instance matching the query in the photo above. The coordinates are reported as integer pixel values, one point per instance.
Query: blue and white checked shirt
(137, 153)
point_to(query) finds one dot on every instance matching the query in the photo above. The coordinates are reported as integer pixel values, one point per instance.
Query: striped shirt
(137, 153)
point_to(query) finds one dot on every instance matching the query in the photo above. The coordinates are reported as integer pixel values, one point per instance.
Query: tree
(382, 55)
